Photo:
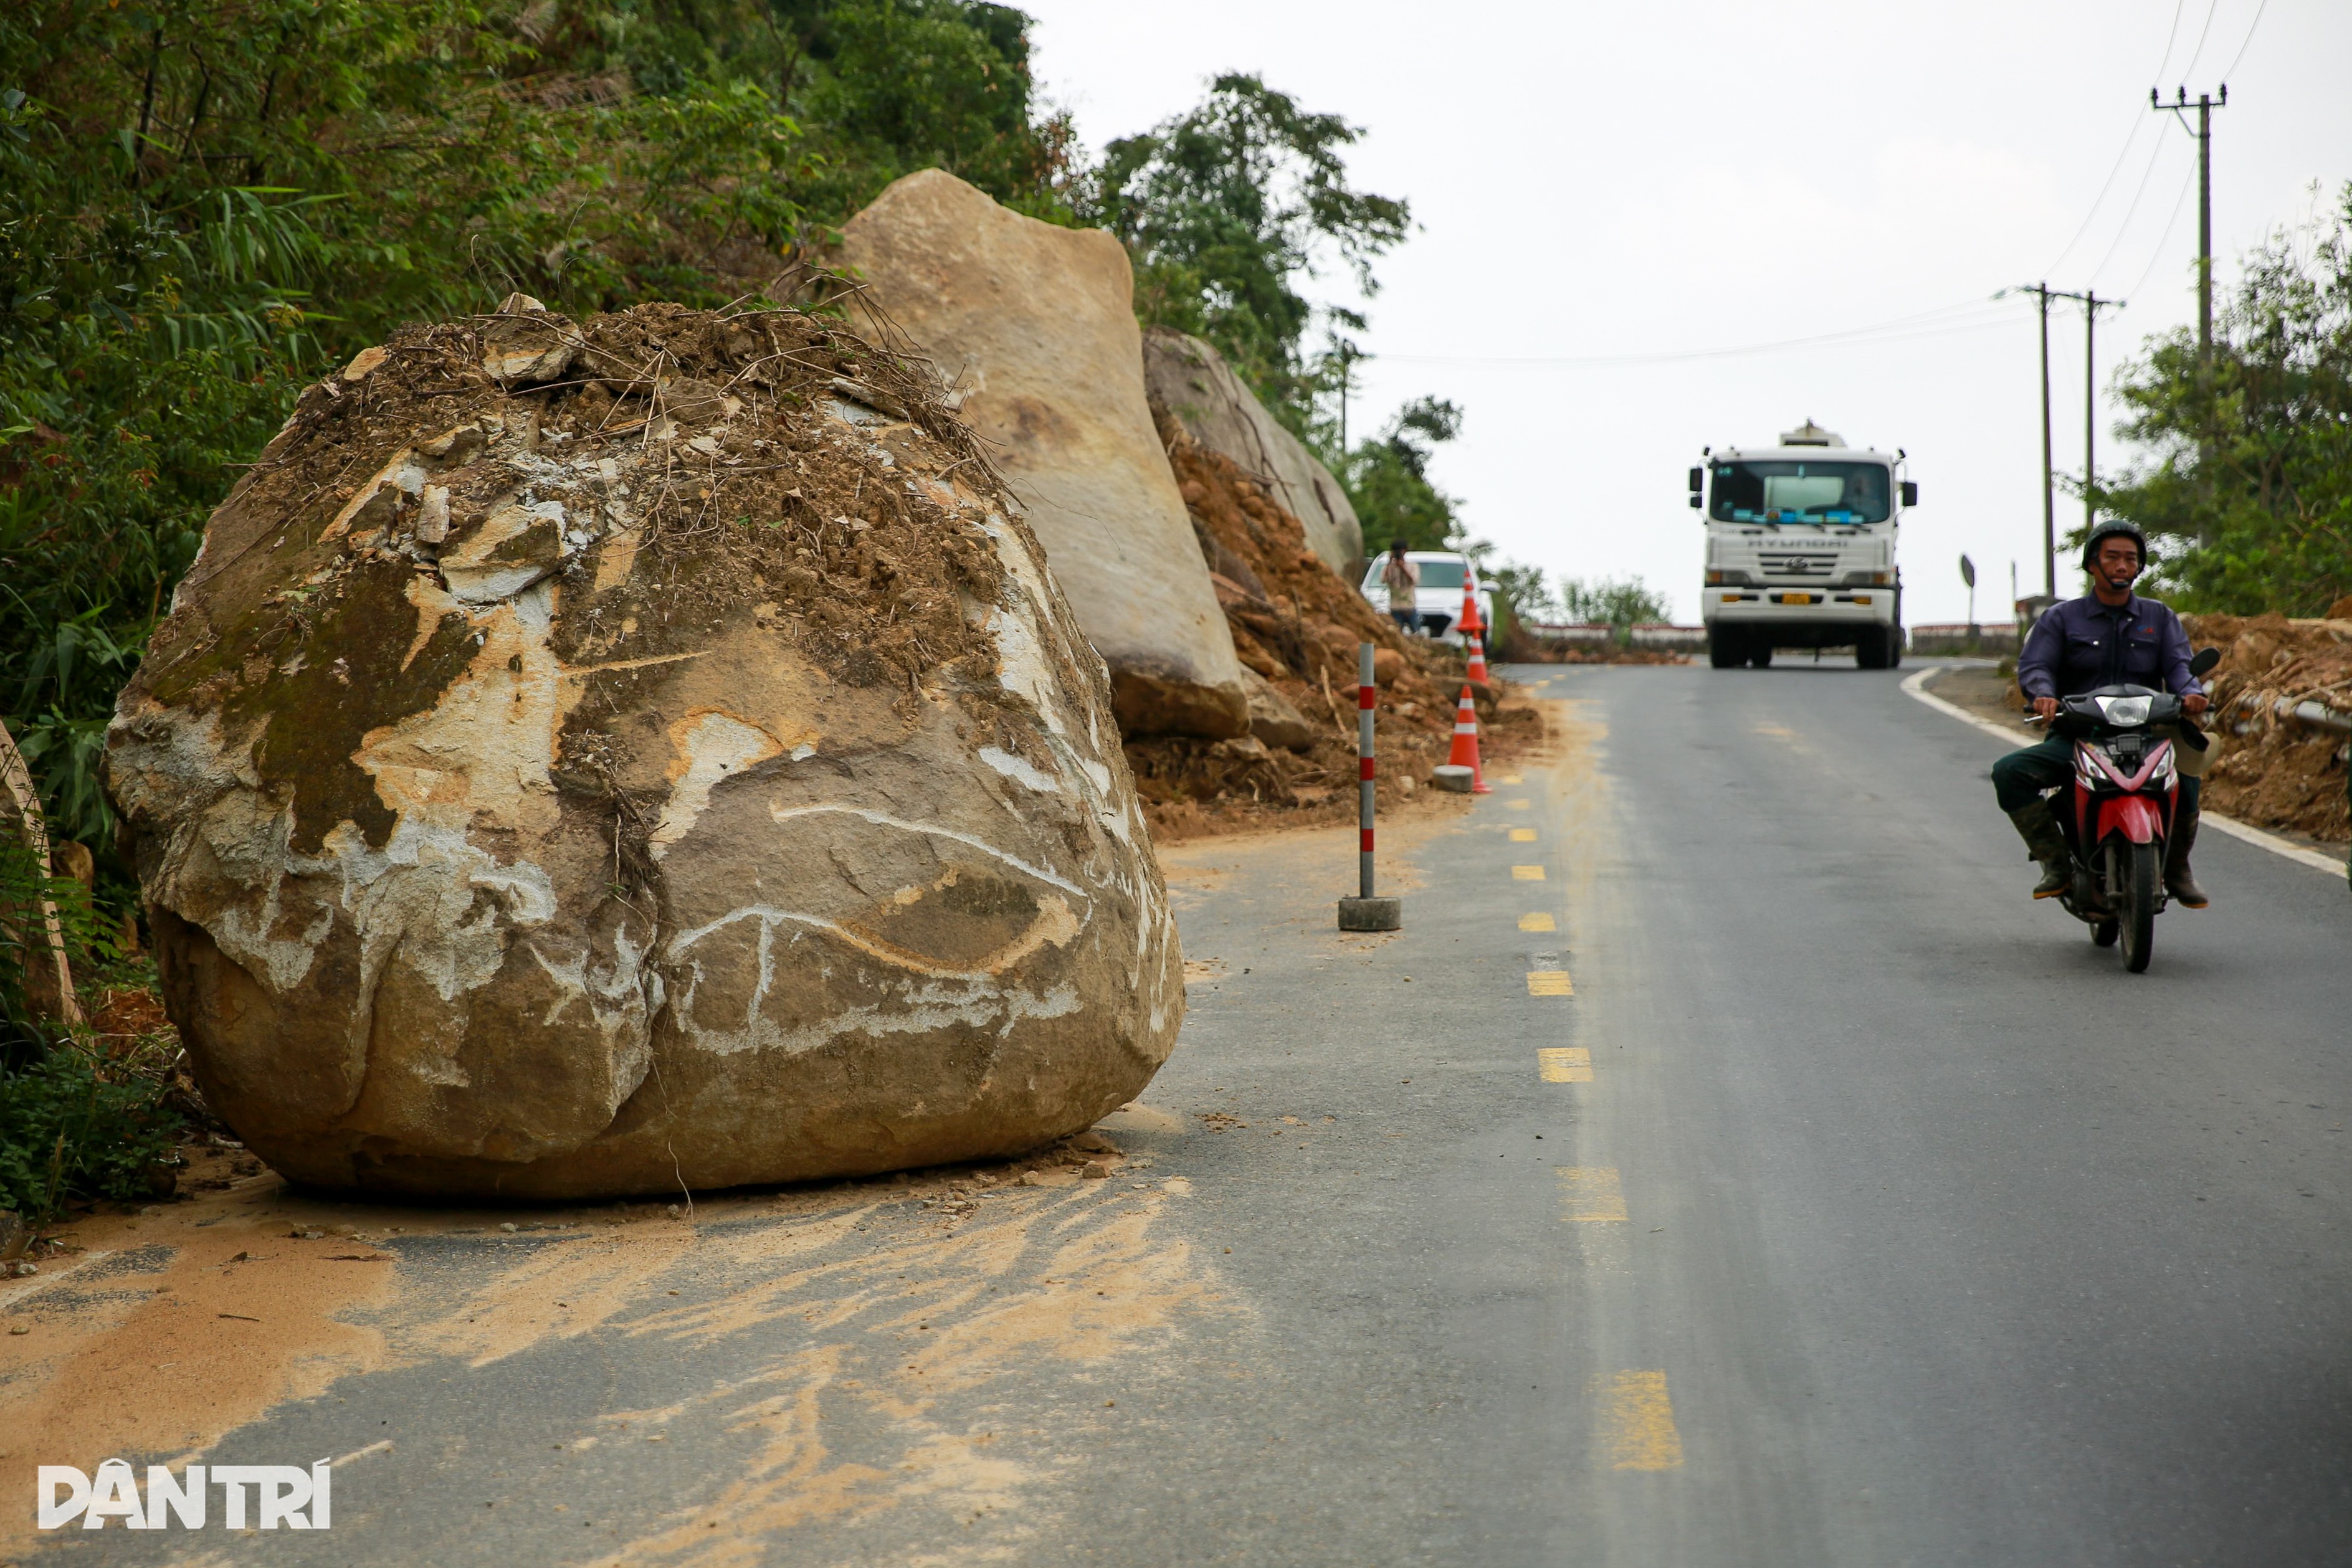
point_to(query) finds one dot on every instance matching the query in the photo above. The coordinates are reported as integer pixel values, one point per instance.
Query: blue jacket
(2081, 645)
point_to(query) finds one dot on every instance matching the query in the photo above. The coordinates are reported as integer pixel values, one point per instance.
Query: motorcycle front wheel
(2142, 870)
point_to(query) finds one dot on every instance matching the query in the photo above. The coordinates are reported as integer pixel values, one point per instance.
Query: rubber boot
(2178, 880)
(2038, 827)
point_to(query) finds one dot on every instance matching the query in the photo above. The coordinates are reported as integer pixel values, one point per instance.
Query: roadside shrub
(82, 1114)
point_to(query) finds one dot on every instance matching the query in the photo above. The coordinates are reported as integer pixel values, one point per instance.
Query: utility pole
(2043, 295)
(2091, 306)
(2048, 470)
(1347, 354)
(2206, 104)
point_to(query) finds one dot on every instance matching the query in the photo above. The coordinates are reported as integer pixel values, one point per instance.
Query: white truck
(1801, 548)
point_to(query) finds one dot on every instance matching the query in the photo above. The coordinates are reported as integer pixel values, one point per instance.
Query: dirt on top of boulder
(797, 515)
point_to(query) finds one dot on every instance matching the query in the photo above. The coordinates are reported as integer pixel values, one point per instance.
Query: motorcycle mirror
(2205, 660)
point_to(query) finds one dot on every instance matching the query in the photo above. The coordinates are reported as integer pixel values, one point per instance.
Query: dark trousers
(1408, 621)
(2021, 777)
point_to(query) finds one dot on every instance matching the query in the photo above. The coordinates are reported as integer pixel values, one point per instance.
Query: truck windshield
(1799, 492)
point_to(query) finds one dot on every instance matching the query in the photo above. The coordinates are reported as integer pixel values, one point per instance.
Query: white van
(1439, 602)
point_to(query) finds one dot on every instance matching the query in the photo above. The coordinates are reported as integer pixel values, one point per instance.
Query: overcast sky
(1599, 183)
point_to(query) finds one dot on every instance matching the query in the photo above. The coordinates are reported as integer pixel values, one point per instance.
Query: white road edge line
(1914, 687)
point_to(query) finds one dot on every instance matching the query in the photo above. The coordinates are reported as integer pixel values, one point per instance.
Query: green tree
(1227, 209)
(2247, 492)
(206, 203)
(1388, 480)
(1610, 601)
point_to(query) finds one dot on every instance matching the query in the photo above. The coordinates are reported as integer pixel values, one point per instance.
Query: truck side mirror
(1695, 501)
(1910, 493)
(1697, 480)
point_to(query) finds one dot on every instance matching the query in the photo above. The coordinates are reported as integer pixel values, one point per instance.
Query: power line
(2241, 47)
(1903, 328)
(2170, 34)
(2131, 139)
(2123, 229)
(2178, 203)
(2211, 10)
(2100, 200)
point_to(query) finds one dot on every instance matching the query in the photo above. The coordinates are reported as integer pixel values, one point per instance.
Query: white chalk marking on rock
(1020, 770)
(884, 820)
(706, 747)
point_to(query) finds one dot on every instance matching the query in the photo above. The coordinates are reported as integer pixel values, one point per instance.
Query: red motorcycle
(2120, 807)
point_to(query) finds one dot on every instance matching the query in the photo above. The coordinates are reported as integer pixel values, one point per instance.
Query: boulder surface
(593, 759)
(1191, 381)
(1034, 326)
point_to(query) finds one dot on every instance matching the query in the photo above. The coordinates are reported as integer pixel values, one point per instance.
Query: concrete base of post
(1446, 776)
(1371, 914)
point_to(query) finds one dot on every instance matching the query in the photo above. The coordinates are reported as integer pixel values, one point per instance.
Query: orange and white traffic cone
(1466, 744)
(1473, 628)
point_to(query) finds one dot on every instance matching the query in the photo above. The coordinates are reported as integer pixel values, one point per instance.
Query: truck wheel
(1723, 649)
(1760, 656)
(1870, 649)
(1894, 647)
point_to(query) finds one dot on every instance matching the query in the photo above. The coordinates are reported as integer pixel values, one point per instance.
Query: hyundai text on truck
(1801, 548)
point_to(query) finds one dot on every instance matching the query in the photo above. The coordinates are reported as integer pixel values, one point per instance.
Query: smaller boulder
(1272, 718)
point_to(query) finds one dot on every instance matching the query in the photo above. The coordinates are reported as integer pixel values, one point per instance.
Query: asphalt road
(1805, 1195)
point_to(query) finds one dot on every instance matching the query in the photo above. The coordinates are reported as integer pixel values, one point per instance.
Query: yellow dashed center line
(1540, 920)
(1564, 1064)
(1550, 983)
(1519, 805)
(1637, 1422)
(1523, 835)
(1509, 778)
(1527, 873)
(1591, 1194)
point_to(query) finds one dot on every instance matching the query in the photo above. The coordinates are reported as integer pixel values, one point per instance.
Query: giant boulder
(1191, 381)
(1035, 325)
(587, 760)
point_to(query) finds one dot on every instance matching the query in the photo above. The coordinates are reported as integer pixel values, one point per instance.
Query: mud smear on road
(166, 1331)
(916, 1340)
(880, 1302)
(1575, 747)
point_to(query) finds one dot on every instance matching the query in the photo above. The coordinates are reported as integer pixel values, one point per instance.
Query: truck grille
(1795, 568)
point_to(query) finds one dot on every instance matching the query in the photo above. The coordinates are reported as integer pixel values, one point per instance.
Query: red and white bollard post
(1365, 912)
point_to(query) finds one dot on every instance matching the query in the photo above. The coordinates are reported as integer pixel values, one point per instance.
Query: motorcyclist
(2109, 637)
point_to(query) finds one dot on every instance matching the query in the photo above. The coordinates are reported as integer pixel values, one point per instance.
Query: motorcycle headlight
(2125, 712)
